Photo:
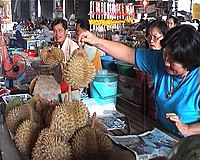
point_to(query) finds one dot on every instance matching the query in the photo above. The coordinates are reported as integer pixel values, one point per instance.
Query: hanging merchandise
(109, 15)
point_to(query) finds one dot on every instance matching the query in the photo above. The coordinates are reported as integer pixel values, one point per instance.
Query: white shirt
(68, 48)
(91, 51)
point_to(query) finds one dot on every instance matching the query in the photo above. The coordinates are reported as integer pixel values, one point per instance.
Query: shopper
(45, 31)
(175, 70)
(20, 41)
(93, 54)
(29, 25)
(155, 32)
(171, 22)
(60, 34)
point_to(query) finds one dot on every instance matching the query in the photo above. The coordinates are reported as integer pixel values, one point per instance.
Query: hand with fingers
(87, 37)
(182, 127)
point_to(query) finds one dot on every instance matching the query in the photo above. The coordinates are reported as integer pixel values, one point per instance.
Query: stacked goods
(90, 143)
(69, 117)
(49, 145)
(51, 56)
(26, 136)
(44, 128)
(18, 114)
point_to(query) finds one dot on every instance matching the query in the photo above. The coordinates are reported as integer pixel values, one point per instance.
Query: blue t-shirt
(184, 101)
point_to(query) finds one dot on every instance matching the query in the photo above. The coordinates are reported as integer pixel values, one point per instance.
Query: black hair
(84, 24)
(43, 22)
(183, 45)
(175, 20)
(58, 21)
(18, 35)
(160, 24)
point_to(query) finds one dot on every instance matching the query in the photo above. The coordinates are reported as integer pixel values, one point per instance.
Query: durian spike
(93, 119)
(70, 94)
(51, 127)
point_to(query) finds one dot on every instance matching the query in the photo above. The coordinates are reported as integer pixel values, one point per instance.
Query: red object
(64, 87)
(31, 53)
(73, 89)
(14, 66)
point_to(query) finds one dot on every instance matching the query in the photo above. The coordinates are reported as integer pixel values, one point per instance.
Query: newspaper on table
(112, 123)
(150, 144)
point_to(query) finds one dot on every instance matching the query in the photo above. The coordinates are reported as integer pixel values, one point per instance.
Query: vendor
(60, 34)
(175, 71)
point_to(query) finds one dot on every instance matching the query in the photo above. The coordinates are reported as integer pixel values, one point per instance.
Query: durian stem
(62, 70)
(70, 94)
(30, 113)
(93, 119)
(51, 127)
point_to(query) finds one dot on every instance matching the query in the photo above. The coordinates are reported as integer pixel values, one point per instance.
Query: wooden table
(136, 123)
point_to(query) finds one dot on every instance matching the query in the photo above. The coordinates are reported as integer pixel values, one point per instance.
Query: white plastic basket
(8, 98)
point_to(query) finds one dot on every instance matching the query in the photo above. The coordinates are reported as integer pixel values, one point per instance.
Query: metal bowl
(37, 65)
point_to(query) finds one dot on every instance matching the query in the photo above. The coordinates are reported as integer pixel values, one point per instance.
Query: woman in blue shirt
(175, 70)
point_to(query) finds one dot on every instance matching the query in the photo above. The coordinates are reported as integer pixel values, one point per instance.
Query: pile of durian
(64, 132)
(46, 129)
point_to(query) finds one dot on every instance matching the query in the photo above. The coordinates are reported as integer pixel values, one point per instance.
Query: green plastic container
(126, 69)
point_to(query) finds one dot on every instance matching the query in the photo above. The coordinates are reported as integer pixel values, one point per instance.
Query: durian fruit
(69, 117)
(50, 145)
(78, 71)
(80, 112)
(17, 101)
(64, 121)
(51, 56)
(90, 143)
(26, 136)
(18, 114)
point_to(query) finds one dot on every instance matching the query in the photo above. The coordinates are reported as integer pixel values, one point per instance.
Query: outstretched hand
(87, 37)
(182, 127)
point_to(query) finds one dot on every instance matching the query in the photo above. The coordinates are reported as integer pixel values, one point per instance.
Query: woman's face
(59, 33)
(170, 23)
(154, 37)
(173, 67)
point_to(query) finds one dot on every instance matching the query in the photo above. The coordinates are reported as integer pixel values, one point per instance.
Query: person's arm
(3, 47)
(185, 129)
(115, 49)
